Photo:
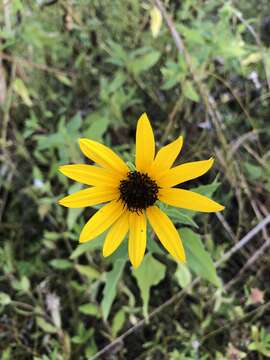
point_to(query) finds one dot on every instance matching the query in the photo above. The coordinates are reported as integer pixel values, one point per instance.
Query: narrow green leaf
(90, 309)
(190, 92)
(72, 216)
(97, 129)
(88, 271)
(21, 285)
(64, 79)
(148, 274)
(88, 246)
(198, 259)
(20, 88)
(109, 292)
(255, 172)
(61, 264)
(4, 299)
(179, 216)
(144, 62)
(118, 322)
(207, 190)
(183, 275)
(45, 326)
(118, 81)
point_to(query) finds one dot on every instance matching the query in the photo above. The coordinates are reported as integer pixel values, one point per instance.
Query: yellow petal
(188, 200)
(145, 144)
(89, 197)
(166, 232)
(116, 234)
(103, 155)
(165, 158)
(101, 220)
(185, 172)
(137, 238)
(90, 175)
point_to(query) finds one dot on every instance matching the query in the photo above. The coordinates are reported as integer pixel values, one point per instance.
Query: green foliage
(4, 301)
(118, 322)
(148, 274)
(183, 275)
(109, 291)
(46, 326)
(260, 341)
(90, 309)
(198, 259)
(75, 69)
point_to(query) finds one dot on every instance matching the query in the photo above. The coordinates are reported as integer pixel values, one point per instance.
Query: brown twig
(250, 262)
(235, 144)
(42, 67)
(259, 227)
(226, 226)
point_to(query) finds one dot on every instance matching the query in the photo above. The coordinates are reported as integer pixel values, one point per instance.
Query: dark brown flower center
(138, 191)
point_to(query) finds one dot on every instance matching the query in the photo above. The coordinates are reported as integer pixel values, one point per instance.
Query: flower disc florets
(138, 191)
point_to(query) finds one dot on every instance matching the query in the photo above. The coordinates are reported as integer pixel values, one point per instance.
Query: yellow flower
(131, 195)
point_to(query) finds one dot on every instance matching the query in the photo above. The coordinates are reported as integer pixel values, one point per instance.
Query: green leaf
(192, 35)
(74, 125)
(144, 62)
(45, 326)
(118, 53)
(97, 128)
(148, 274)
(118, 322)
(183, 275)
(22, 285)
(118, 81)
(190, 92)
(153, 245)
(109, 292)
(179, 216)
(6, 354)
(198, 259)
(82, 334)
(207, 190)
(72, 216)
(254, 171)
(88, 271)
(173, 73)
(4, 299)
(50, 141)
(64, 79)
(90, 309)
(88, 246)
(20, 88)
(61, 264)
(120, 253)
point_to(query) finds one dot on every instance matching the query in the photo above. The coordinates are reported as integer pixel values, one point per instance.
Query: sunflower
(131, 196)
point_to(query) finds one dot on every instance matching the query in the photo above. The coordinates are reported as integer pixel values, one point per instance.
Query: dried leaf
(156, 21)
(256, 296)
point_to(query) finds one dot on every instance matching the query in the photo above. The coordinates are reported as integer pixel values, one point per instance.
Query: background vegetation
(90, 68)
